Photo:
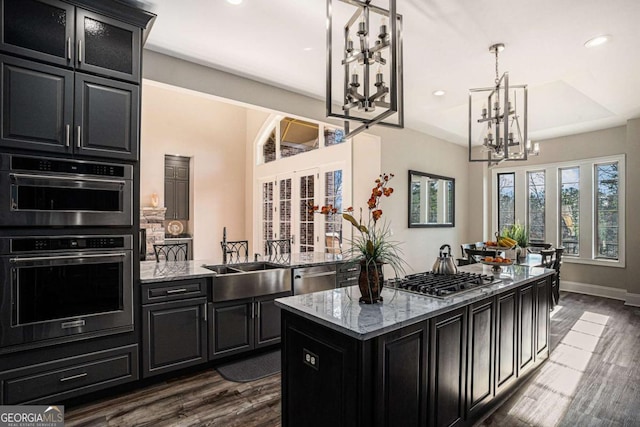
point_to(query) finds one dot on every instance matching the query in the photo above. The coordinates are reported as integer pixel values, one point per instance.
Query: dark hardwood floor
(591, 379)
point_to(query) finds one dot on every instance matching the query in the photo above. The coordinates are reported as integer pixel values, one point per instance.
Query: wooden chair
(548, 258)
(465, 260)
(555, 287)
(278, 250)
(235, 251)
(474, 255)
(170, 251)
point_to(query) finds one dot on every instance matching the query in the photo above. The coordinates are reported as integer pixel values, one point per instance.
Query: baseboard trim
(595, 290)
(632, 300)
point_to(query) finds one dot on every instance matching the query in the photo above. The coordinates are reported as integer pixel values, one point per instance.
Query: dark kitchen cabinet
(526, 327)
(448, 344)
(40, 111)
(174, 325)
(62, 379)
(176, 187)
(39, 29)
(481, 348)
(106, 117)
(506, 340)
(37, 106)
(61, 34)
(542, 318)
(242, 325)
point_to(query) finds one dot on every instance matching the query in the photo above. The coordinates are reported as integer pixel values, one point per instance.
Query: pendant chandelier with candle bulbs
(498, 130)
(369, 74)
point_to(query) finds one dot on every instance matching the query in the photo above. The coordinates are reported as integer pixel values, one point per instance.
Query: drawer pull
(73, 377)
(176, 291)
(348, 279)
(352, 269)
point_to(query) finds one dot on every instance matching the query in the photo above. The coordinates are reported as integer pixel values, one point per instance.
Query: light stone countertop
(339, 309)
(166, 271)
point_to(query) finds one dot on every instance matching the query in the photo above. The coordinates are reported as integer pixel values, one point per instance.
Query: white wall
(213, 134)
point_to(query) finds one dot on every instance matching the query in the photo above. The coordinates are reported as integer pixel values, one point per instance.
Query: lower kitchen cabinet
(506, 340)
(242, 325)
(174, 325)
(448, 334)
(526, 327)
(62, 379)
(174, 335)
(480, 345)
(543, 299)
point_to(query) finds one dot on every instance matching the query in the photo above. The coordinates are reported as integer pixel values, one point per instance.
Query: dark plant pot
(370, 282)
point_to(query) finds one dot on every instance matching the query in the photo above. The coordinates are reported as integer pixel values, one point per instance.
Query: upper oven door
(47, 200)
(66, 294)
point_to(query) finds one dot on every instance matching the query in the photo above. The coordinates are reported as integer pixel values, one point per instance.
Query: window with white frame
(506, 200)
(536, 206)
(333, 223)
(570, 210)
(607, 196)
(578, 205)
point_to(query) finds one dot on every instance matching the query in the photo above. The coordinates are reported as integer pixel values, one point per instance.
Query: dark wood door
(176, 178)
(170, 198)
(448, 335)
(174, 335)
(542, 318)
(39, 29)
(506, 340)
(481, 360)
(267, 321)
(526, 327)
(106, 46)
(37, 106)
(400, 385)
(106, 118)
(231, 328)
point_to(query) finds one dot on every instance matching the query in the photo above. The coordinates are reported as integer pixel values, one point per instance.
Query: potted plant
(519, 233)
(372, 246)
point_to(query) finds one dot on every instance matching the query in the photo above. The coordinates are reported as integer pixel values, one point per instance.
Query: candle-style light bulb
(354, 75)
(383, 28)
(536, 147)
(349, 45)
(484, 111)
(362, 26)
(379, 75)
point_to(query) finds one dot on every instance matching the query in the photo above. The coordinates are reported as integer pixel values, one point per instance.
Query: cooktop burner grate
(442, 285)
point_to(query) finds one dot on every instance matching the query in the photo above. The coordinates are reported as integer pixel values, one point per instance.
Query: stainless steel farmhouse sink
(248, 280)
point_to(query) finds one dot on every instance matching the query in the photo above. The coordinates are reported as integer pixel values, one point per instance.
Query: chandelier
(499, 127)
(368, 75)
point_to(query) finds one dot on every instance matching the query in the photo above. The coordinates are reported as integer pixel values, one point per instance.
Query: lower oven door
(45, 200)
(66, 295)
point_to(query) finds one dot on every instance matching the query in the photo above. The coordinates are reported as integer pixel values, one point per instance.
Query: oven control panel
(74, 167)
(42, 244)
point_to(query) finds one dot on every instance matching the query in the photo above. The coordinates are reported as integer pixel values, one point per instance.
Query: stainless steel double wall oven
(66, 251)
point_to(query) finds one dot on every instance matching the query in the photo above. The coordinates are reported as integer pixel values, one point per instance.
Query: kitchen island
(413, 360)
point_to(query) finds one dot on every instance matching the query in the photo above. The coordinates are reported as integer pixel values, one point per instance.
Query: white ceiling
(572, 89)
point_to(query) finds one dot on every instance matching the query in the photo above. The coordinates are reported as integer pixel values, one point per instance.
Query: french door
(286, 210)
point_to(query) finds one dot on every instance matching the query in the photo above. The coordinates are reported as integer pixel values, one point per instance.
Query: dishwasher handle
(306, 276)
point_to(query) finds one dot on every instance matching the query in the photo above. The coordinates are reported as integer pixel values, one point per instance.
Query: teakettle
(444, 263)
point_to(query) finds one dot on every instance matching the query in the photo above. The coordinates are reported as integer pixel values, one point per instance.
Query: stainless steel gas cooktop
(442, 285)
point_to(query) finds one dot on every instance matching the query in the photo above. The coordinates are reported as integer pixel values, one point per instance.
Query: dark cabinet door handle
(79, 137)
(73, 377)
(79, 51)
(68, 135)
(69, 48)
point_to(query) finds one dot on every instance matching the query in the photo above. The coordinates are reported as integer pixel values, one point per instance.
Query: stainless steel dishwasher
(314, 279)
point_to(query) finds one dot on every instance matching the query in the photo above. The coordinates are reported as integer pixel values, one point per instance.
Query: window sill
(596, 262)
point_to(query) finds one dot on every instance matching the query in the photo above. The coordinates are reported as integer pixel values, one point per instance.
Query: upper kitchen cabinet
(176, 187)
(61, 34)
(42, 111)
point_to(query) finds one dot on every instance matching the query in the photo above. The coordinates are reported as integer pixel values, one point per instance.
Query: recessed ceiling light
(307, 49)
(234, 1)
(439, 92)
(597, 41)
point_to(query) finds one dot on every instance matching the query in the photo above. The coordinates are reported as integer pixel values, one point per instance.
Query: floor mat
(252, 368)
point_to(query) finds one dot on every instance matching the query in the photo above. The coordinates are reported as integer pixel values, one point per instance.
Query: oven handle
(61, 257)
(15, 177)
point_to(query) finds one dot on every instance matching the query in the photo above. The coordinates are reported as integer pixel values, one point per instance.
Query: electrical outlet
(311, 359)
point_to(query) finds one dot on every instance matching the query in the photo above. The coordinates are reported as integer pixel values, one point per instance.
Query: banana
(506, 242)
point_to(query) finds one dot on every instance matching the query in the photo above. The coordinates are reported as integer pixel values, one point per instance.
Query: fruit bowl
(497, 266)
(500, 248)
